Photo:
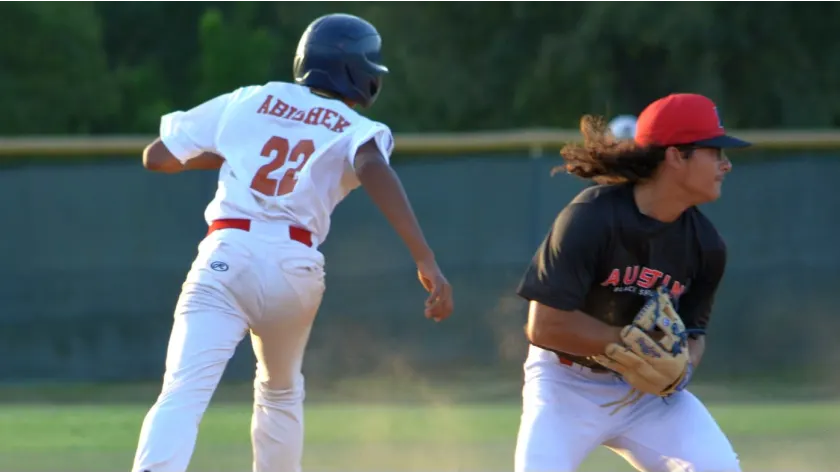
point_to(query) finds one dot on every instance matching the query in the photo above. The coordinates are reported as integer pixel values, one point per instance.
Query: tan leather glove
(651, 366)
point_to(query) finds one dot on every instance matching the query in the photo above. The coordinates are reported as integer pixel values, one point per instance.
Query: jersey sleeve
(563, 268)
(187, 134)
(695, 307)
(377, 131)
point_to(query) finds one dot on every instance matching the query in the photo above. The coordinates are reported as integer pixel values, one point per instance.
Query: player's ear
(674, 157)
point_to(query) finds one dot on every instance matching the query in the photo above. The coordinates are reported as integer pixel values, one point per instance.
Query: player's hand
(439, 303)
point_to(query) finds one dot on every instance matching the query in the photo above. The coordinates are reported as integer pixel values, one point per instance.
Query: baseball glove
(651, 367)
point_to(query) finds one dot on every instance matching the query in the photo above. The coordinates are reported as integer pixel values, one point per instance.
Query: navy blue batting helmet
(340, 53)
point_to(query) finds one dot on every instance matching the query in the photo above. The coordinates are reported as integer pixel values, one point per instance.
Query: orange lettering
(279, 108)
(328, 115)
(341, 125)
(264, 107)
(314, 116)
(630, 278)
(648, 278)
(328, 118)
(615, 277)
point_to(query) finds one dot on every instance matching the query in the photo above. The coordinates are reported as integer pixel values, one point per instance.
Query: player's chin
(712, 192)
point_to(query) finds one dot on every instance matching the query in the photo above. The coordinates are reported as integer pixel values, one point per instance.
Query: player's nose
(725, 163)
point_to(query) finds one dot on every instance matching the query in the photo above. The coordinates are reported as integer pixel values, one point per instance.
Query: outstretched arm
(386, 191)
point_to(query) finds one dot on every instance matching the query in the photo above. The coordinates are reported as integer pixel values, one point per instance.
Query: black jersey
(603, 257)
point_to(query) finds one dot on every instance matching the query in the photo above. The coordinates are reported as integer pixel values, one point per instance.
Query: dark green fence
(94, 253)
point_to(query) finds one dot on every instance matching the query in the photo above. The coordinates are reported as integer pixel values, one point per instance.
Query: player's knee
(270, 396)
(285, 380)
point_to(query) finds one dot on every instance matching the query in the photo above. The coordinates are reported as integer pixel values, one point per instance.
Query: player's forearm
(572, 332)
(696, 349)
(204, 161)
(387, 193)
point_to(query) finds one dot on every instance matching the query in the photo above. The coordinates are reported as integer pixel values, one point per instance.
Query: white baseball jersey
(288, 152)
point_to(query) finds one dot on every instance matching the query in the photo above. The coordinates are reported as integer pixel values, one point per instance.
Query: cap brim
(724, 141)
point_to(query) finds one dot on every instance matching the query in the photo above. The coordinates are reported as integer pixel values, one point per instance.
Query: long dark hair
(605, 159)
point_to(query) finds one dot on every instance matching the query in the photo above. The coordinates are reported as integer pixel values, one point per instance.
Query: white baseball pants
(563, 421)
(240, 282)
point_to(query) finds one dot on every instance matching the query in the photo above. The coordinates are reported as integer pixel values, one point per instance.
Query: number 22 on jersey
(279, 148)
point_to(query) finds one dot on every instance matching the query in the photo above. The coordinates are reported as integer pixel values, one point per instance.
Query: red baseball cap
(684, 119)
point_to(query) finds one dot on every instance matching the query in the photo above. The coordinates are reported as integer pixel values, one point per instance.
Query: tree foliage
(54, 76)
(115, 67)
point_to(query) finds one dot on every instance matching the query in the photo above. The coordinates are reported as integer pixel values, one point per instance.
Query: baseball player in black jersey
(620, 294)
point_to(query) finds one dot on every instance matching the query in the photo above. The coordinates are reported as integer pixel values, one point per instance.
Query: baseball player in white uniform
(287, 154)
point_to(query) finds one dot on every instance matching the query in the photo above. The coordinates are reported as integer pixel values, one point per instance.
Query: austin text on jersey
(643, 280)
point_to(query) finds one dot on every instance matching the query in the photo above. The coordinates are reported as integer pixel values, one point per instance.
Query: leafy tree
(115, 67)
(54, 76)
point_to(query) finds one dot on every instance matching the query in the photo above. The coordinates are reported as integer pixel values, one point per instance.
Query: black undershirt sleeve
(563, 268)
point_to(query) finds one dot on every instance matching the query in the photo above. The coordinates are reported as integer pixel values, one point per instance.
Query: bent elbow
(157, 158)
(535, 329)
(546, 326)
(533, 332)
(149, 161)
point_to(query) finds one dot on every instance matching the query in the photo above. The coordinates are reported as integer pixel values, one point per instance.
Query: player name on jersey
(330, 119)
(643, 278)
